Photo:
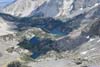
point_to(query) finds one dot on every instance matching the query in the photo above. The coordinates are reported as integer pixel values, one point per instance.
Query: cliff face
(23, 7)
(50, 8)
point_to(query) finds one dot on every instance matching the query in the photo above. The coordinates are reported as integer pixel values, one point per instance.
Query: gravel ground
(6, 57)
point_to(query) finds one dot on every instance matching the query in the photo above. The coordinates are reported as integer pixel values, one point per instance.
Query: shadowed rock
(49, 25)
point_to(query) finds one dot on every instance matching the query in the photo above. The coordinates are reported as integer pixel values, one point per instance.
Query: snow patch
(97, 4)
(84, 52)
(81, 8)
(88, 37)
(91, 39)
(93, 49)
(98, 41)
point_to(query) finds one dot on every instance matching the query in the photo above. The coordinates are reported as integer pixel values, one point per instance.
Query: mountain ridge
(43, 31)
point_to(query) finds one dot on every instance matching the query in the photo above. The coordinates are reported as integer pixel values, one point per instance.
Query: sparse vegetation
(26, 58)
(10, 50)
(16, 64)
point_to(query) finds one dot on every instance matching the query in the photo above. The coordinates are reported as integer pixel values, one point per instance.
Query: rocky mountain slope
(23, 7)
(44, 31)
(45, 7)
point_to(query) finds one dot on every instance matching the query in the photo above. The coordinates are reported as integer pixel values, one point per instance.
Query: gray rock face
(84, 3)
(44, 19)
(95, 28)
(49, 8)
